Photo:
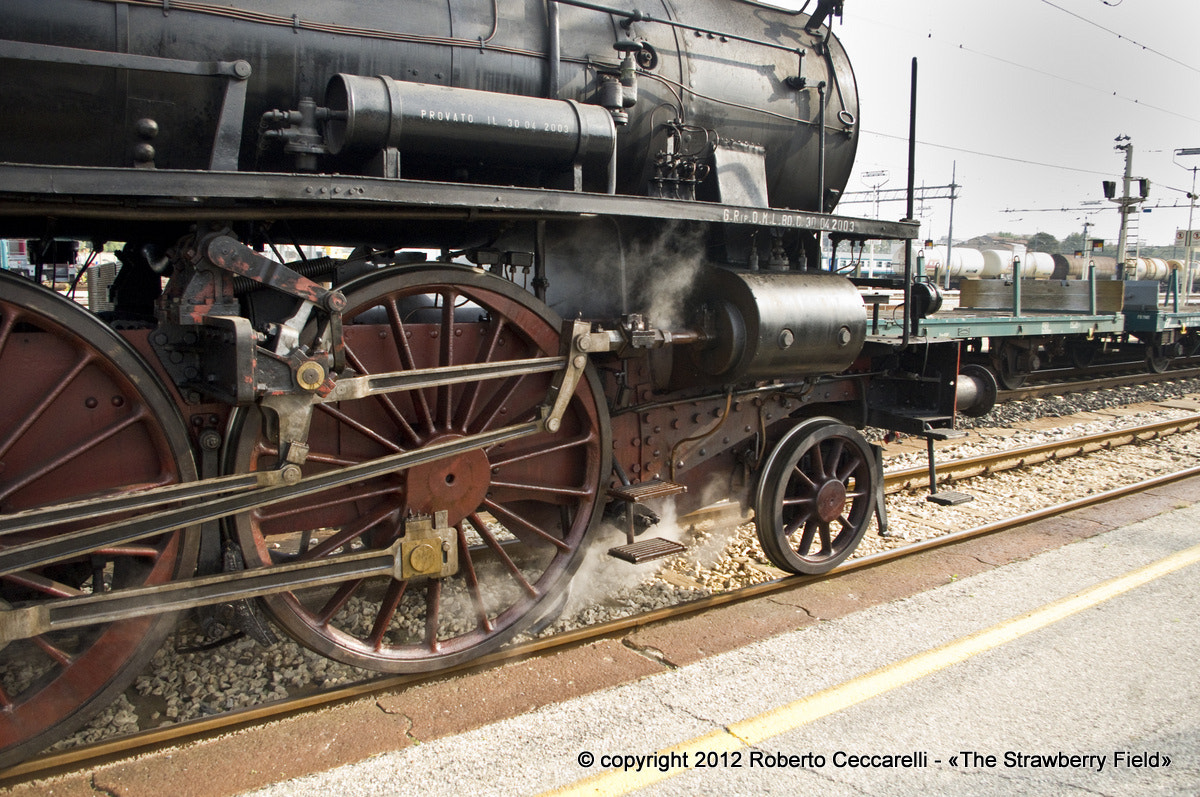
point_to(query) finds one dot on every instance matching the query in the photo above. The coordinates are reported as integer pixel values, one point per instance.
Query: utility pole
(1187, 256)
(950, 233)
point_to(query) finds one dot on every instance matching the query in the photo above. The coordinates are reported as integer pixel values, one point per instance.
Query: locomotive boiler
(571, 264)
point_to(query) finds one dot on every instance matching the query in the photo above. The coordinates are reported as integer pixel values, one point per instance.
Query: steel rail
(143, 741)
(1101, 383)
(952, 470)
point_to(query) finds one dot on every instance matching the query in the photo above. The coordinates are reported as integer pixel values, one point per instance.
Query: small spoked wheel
(816, 496)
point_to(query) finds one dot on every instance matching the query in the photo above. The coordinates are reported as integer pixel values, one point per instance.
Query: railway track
(86, 757)
(1071, 380)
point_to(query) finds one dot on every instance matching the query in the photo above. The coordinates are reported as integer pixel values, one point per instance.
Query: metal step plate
(949, 498)
(647, 550)
(654, 488)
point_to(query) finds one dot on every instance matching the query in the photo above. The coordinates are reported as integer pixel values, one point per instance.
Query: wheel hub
(831, 500)
(457, 485)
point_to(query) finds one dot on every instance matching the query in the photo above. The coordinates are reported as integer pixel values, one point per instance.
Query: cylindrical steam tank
(765, 325)
(743, 86)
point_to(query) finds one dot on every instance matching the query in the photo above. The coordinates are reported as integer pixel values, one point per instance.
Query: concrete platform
(520, 728)
(1070, 672)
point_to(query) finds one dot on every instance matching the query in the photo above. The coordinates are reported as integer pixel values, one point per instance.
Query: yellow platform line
(769, 724)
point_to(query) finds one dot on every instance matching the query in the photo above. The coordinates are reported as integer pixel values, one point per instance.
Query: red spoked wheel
(81, 415)
(520, 511)
(816, 496)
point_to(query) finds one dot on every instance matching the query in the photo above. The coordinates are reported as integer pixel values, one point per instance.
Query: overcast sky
(1027, 96)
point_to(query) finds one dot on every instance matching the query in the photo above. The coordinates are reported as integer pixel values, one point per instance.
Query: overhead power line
(1121, 36)
(1008, 158)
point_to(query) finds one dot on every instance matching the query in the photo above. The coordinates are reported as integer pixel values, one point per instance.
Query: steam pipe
(554, 51)
(821, 148)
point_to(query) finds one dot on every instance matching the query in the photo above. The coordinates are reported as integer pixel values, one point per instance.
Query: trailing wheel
(81, 416)
(816, 496)
(518, 512)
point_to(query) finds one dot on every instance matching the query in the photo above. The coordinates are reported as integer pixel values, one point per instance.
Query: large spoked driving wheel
(80, 416)
(520, 511)
(816, 496)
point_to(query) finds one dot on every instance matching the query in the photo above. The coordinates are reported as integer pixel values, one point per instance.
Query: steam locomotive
(574, 266)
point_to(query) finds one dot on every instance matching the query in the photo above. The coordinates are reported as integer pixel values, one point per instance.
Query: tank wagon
(574, 266)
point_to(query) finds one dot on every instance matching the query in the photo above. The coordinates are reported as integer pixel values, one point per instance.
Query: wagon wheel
(520, 511)
(1156, 361)
(81, 415)
(816, 496)
(1009, 372)
(1082, 353)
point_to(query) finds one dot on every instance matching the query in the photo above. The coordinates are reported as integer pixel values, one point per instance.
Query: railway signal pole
(1126, 204)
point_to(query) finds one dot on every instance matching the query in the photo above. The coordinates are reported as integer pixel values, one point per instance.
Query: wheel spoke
(11, 314)
(40, 583)
(490, 415)
(810, 530)
(77, 451)
(807, 482)
(445, 393)
(470, 397)
(489, 538)
(359, 427)
(559, 448)
(542, 489)
(795, 525)
(433, 610)
(826, 539)
(337, 601)
(467, 565)
(852, 465)
(385, 400)
(349, 533)
(60, 656)
(38, 411)
(282, 511)
(387, 610)
(420, 403)
(835, 456)
(818, 465)
(506, 514)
